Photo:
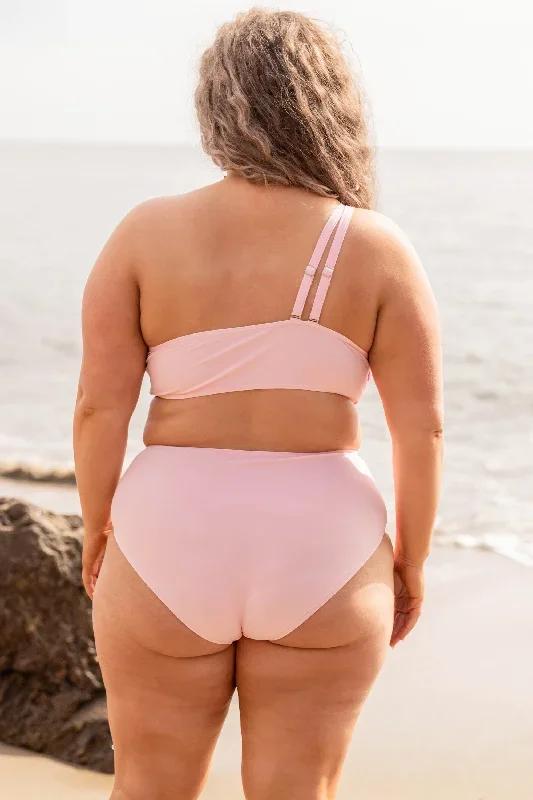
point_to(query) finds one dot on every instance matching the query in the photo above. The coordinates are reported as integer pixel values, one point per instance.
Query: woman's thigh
(168, 690)
(300, 696)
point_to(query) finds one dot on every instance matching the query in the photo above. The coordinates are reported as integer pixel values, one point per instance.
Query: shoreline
(61, 498)
(55, 476)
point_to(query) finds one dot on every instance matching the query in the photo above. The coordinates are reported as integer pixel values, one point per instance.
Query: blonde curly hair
(277, 102)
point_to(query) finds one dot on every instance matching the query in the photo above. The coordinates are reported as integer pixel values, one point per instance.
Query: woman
(245, 546)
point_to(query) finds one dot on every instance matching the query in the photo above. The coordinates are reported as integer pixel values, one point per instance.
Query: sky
(457, 73)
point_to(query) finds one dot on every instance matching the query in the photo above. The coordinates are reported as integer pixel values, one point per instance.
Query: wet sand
(63, 499)
(450, 718)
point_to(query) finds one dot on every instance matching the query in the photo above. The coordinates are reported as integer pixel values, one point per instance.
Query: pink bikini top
(285, 354)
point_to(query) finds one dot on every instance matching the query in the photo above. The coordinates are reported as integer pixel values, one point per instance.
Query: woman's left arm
(114, 357)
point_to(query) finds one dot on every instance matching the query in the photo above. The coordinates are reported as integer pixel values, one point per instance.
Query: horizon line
(187, 143)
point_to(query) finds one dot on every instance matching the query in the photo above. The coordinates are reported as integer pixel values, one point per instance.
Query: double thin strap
(329, 266)
(318, 252)
(342, 215)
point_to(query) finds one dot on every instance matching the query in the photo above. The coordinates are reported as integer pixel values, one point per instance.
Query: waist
(269, 472)
(328, 488)
(273, 420)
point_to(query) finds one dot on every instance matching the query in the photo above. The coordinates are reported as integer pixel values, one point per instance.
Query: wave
(38, 473)
(506, 545)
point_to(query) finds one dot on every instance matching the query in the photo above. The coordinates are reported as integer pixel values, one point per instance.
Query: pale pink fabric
(288, 354)
(314, 262)
(285, 354)
(252, 543)
(329, 266)
(248, 543)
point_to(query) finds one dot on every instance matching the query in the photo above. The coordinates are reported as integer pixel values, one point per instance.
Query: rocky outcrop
(52, 697)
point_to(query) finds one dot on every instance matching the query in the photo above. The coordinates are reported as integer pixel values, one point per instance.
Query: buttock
(246, 543)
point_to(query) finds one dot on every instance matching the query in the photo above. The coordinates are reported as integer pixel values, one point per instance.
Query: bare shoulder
(391, 262)
(158, 211)
(381, 243)
(158, 223)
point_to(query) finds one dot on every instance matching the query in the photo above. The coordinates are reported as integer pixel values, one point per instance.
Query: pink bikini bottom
(246, 543)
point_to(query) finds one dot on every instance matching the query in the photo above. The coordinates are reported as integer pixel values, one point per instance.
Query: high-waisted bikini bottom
(246, 543)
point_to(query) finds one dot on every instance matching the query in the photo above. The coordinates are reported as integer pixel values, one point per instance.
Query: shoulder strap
(312, 267)
(331, 260)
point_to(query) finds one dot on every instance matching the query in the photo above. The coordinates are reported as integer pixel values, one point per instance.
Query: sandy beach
(450, 718)
(63, 499)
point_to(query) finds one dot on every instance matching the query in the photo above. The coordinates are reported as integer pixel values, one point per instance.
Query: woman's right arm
(406, 365)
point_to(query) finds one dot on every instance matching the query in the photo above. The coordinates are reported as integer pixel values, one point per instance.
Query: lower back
(284, 420)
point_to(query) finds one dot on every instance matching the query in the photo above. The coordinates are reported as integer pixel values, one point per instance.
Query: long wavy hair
(277, 102)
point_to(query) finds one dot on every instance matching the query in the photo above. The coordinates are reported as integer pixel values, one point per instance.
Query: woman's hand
(94, 546)
(409, 596)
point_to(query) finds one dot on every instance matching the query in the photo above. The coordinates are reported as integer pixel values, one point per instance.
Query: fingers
(93, 555)
(410, 623)
(89, 583)
(90, 576)
(396, 628)
(404, 622)
(397, 631)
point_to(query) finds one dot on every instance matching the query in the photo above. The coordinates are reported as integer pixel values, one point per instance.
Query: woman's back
(245, 546)
(233, 255)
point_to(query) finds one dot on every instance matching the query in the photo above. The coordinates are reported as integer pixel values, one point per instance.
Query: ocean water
(468, 213)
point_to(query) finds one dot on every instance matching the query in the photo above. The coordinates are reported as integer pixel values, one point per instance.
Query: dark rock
(52, 697)
(82, 736)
